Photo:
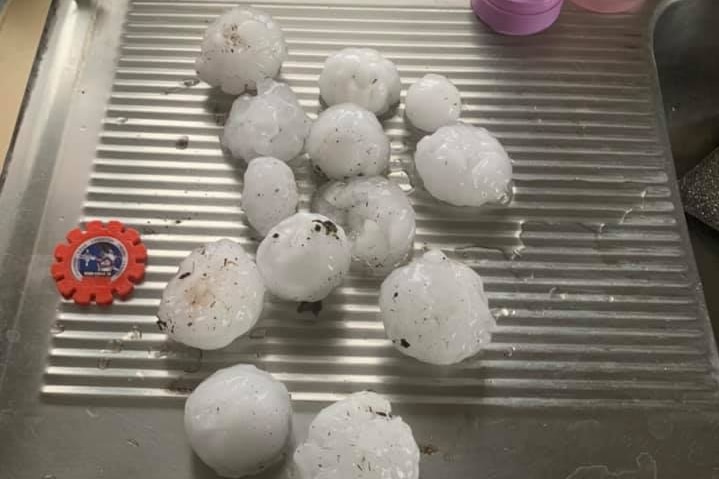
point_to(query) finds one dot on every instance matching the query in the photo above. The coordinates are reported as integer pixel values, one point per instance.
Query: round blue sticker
(101, 257)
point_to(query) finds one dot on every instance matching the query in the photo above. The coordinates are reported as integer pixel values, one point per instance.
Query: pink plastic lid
(610, 6)
(525, 7)
(518, 17)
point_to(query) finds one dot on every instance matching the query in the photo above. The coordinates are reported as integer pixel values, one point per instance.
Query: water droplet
(506, 198)
(121, 120)
(12, 335)
(499, 313)
(509, 352)
(401, 179)
(91, 413)
(115, 346)
(57, 328)
(643, 197)
(103, 363)
(135, 333)
(158, 353)
(48, 476)
(557, 293)
(625, 215)
(258, 333)
(513, 253)
(612, 299)
(132, 442)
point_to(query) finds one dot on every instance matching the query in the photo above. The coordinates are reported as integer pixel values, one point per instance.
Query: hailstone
(358, 438)
(216, 296)
(240, 48)
(432, 102)
(304, 257)
(377, 216)
(346, 140)
(463, 165)
(239, 421)
(434, 309)
(269, 194)
(272, 123)
(361, 76)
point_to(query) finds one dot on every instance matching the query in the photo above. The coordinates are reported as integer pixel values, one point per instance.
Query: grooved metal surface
(586, 269)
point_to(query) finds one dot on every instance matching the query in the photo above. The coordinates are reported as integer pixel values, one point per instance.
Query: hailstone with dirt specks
(240, 48)
(377, 216)
(463, 165)
(432, 102)
(239, 421)
(272, 123)
(216, 296)
(361, 76)
(304, 257)
(358, 438)
(434, 309)
(346, 140)
(269, 194)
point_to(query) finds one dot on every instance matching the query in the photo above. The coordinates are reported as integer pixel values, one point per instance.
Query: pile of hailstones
(433, 309)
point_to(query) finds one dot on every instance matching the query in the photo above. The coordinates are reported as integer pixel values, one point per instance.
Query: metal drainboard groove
(595, 310)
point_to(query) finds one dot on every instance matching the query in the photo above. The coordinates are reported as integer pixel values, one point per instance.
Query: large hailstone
(346, 140)
(435, 309)
(361, 76)
(377, 216)
(239, 421)
(432, 102)
(272, 123)
(216, 296)
(463, 165)
(304, 257)
(269, 194)
(240, 48)
(358, 438)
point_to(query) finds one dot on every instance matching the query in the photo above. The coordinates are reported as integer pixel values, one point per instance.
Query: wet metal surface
(603, 360)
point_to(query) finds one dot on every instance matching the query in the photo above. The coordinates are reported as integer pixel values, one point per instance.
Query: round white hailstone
(361, 76)
(377, 216)
(240, 48)
(269, 124)
(434, 309)
(216, 296)
(432, 102)
(304, 257)
(269, 194)
(463, 165)
(347, 140)
(239, 421)
(358, 438)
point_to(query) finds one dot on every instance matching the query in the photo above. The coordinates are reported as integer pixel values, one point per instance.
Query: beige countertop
(21, 27)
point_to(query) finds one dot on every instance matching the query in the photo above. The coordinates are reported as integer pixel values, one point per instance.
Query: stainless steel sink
(603, 364)
(686, 49)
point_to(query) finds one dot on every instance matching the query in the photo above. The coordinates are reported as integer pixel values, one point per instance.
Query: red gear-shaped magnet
(99, 261)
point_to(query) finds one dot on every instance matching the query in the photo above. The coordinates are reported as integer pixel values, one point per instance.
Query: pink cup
(610, 6)
(518, 17)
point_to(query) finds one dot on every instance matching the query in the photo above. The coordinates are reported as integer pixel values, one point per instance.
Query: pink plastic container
(518, 17)
(610, 6)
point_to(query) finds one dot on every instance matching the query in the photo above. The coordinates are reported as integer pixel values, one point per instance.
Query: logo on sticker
(102, 257)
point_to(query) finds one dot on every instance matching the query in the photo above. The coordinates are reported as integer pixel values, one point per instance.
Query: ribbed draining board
(586, 269)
